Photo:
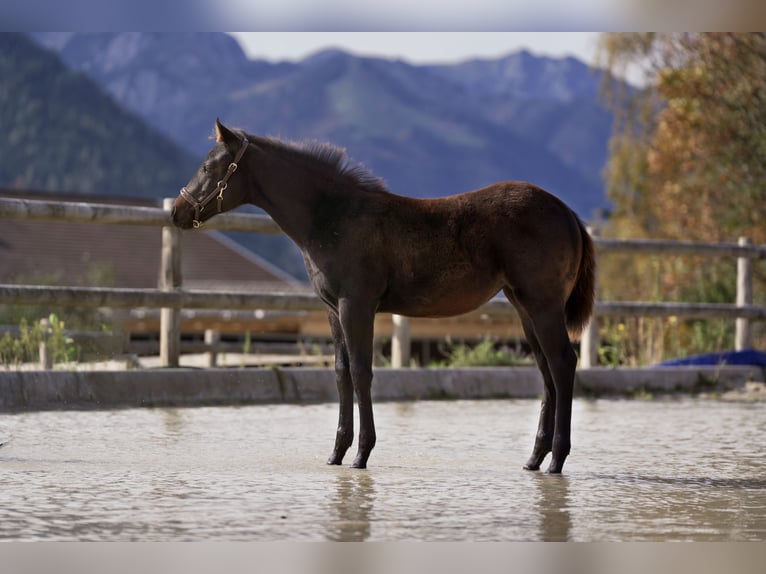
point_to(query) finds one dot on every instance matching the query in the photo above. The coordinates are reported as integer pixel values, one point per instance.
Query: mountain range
(426, 130)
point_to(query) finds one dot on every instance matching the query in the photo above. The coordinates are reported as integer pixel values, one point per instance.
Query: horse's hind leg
(344, 436)
(545, 329)
(547, 423)
(549, 326)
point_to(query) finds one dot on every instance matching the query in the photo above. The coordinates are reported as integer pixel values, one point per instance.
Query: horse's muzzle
(181, 218)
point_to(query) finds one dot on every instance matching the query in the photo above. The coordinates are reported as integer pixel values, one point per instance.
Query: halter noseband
(217, 193)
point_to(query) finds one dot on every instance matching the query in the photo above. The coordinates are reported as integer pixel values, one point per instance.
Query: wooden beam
(661, 247)
(155, 298)
(685, 310)
(81, 212)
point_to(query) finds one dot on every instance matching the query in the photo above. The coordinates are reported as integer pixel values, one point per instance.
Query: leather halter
(217, 193)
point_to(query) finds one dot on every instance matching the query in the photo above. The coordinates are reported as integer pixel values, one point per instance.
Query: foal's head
(216, 187)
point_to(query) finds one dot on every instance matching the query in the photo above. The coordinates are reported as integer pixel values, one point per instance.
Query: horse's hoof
(555, 468)
(359, 463)
(534, 462)
(335, 459)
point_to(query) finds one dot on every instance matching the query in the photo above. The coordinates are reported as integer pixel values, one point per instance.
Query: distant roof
(65, 253)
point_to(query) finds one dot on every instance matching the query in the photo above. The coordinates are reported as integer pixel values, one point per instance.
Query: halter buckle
(199, 205)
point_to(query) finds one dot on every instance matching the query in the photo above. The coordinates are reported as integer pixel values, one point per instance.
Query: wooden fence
(742, 311)
(171, 297)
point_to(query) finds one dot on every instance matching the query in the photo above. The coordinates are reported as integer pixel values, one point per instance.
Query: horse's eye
(204, 169)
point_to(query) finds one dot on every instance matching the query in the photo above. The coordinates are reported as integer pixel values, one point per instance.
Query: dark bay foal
(368, 251)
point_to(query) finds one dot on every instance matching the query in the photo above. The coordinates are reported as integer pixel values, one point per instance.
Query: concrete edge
(39, 390)
(663, 380)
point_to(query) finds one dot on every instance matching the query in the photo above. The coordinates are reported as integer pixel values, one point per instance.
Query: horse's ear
(222, 133)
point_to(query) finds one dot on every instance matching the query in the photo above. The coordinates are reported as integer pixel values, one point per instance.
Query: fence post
(744, 297)
(212, 338)
(46, 354)
(170, 279)
(589, 342)
(400, 342)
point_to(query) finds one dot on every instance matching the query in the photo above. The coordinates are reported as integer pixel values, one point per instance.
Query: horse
(368, 250)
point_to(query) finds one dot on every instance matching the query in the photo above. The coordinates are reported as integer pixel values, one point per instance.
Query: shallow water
(687, 469)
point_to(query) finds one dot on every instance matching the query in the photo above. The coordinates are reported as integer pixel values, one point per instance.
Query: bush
(483, 355)
(25, 347)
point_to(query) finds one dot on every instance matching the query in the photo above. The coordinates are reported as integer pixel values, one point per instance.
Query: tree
(688, 154)
(692, 144)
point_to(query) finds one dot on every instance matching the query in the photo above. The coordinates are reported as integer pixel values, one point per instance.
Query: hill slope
(62, 133)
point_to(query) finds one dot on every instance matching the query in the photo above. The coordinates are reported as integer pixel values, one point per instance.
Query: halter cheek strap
(217, 193)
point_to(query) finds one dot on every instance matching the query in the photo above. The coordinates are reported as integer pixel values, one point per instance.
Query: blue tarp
(747, 357)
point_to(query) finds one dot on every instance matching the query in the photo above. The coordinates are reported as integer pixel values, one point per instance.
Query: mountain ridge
(427, 130)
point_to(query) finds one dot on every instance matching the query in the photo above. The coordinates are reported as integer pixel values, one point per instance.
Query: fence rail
(156, 298)
(277, 301)
(171, 298)
(658, 246)
(685, 310)
(81, 212)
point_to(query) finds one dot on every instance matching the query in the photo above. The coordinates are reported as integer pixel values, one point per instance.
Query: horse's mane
(327, 156)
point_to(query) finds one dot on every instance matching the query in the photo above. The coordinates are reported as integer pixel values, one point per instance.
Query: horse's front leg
(357, 319)
(344, 436)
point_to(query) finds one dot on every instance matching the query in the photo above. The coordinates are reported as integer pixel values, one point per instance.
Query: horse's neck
(289, 198)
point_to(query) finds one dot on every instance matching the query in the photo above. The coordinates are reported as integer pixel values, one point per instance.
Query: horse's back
(449, 255)
(513, 199)
(510, 220)
(514, 215)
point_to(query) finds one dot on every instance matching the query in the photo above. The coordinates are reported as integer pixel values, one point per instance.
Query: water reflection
(173, 424)
(351, 506)
(553, 502)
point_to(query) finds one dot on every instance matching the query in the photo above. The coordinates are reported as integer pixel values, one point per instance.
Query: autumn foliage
(688, 162)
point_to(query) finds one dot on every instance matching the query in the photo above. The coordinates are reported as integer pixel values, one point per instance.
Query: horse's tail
(579, 306)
